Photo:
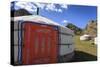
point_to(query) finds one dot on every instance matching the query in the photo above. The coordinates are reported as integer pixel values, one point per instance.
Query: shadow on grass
(82, 56)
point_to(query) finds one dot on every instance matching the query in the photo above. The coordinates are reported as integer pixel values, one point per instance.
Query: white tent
(95, 40)
(66, 48)
(85, 37)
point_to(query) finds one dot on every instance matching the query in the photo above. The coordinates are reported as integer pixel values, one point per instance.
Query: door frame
(21, 34)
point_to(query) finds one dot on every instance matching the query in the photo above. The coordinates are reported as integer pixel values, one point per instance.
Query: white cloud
(52, 7)
(40, 5)
(65, 21)
(25, 5)
(21, 4)
(32, 7)
(60, 10)
(65, 6)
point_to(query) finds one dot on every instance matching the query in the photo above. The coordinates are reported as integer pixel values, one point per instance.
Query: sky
(61, 13)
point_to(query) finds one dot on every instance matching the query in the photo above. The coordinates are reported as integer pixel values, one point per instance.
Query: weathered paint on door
(39, 44)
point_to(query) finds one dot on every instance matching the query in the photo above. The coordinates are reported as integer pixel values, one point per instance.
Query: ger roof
(40, 19)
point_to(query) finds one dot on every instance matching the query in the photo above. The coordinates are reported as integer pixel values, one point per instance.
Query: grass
(84, 50)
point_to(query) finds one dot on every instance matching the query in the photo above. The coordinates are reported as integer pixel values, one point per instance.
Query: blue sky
(63, 13)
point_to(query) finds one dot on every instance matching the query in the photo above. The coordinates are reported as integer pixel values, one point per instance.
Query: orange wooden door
(40, 44)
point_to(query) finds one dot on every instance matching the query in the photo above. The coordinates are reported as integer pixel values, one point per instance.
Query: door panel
(40, 44)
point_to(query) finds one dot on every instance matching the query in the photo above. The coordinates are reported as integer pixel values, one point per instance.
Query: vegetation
(84, 50)
(77, 30)
(91, 28)
(85, 46)
(20, 12)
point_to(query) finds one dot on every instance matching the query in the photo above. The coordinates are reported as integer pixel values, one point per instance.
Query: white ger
(65, 43)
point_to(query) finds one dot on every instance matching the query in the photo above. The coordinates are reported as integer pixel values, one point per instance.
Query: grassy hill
(91, 28)
(84, 50)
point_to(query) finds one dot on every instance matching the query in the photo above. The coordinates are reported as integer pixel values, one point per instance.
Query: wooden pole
(37, 10)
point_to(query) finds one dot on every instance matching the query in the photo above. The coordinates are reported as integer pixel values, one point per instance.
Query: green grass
(84, 50)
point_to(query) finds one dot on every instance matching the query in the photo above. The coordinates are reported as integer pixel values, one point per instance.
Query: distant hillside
(77, 30)
(20, 12)
(91, 28)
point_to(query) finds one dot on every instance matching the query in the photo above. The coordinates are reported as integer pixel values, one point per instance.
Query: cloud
(32, 7)
(65, 6)
(65, 21)
(25, 5)
(50, 7)
(53, 7)
(60, 10)
(40, 5)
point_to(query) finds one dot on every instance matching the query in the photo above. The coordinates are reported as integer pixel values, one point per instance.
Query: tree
(20, 12)
(77, 30)
(91, 28)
